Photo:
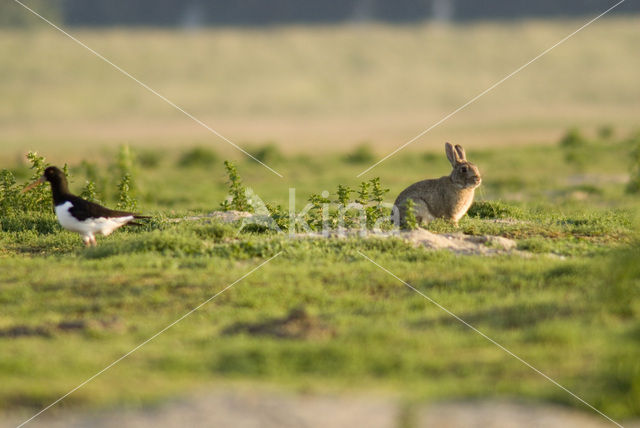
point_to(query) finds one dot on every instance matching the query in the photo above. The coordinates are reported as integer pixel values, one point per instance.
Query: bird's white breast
(89, 226)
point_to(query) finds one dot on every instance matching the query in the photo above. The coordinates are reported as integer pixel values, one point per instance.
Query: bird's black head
(58, 181)
(54, 175)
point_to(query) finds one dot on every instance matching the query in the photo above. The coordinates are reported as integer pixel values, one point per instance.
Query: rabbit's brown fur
(447, 197)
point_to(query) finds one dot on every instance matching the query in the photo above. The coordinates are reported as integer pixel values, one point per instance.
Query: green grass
(569, 306)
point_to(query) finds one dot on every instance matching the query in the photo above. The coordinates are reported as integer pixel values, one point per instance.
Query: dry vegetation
(318, 88)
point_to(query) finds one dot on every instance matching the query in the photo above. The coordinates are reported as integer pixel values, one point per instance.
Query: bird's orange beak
(34, 184)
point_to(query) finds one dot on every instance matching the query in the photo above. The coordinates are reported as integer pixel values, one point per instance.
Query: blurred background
(313, 76)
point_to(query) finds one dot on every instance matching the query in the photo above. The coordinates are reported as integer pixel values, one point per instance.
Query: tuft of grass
(125, 164)
(150, 159)
(267, 153)
(237, 191)
(126, 200)
(493, 210)
(12, 200)
(606, 132)
(573, 144)
(90, 193)
(362, 154)
(410, 220)
(200, 157)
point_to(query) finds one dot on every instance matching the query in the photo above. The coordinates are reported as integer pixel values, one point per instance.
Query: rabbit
(447, 197)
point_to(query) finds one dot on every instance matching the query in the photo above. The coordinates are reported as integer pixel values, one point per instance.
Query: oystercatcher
(81, 216)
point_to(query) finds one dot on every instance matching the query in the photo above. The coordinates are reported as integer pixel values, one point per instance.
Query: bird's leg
(86, 239)
(93, 241)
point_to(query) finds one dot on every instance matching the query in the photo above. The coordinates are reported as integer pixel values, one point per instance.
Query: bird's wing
(83, 209)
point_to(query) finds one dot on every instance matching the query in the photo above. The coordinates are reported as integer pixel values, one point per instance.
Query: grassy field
(568, 302)
(569, 305)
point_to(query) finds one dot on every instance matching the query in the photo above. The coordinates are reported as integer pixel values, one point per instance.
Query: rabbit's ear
(452, 155)
(460, 151)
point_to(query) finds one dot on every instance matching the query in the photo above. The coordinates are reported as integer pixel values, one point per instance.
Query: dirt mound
(497, 414)
(270, 409)
(49, 330)
(456, 242)
(461, 243)
(298, 324)
(223, 216)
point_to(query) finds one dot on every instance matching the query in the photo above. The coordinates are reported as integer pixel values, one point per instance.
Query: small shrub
(198, 157)
(573, 144)
(39, 198)
(363, 193)
(376, 211)
(410, 221)
(605, 132)
(126, 201)
(150, 159)
(361, 154)
(573, 139)
(268, 153)
(92, 175)
(343, 195)
(9, 192)
(237, 191)
(325, 212)
(89, 192)
(125, 164)
(279, 215)
(432, 157)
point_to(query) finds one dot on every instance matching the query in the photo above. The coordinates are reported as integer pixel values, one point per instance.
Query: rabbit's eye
(463, 169)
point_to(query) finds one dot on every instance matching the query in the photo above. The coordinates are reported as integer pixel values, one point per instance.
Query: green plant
(279, 215)
(375, 210)
(198, 157)
(91, 173)
(492, 210)
(39, 198)
(410, 221)
(9, 192)
(573, 143)
(238, 197)
(126, 201)
(432, 157)
(343, 195)
(89, 192)
(363, 193)
(606, 132)
(361, 154)
(268, 153)
(125, 164)
(150, 159)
